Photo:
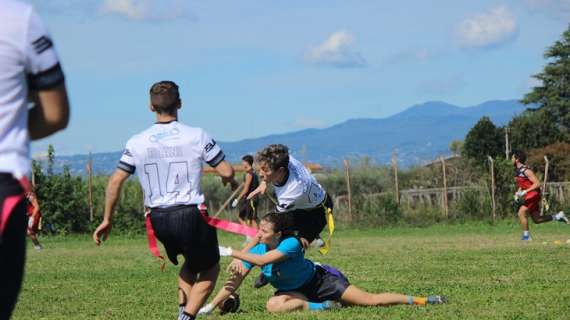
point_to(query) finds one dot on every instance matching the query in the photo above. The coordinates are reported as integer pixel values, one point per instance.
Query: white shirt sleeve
(127, 161)
(211, 151)
(42, 63)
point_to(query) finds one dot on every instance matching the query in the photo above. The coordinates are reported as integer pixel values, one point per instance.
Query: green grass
(486, 272)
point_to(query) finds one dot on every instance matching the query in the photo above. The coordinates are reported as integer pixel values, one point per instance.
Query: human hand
(225, 251)
(259, 190)
(235, 203)
(236, 267)
(102, 232)
(520, 194)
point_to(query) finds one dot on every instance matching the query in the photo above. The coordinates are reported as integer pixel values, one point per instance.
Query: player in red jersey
(528, 194)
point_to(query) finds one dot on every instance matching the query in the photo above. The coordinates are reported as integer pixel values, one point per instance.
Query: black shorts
(310, 222)
(327, 284)
(12, 246)
(182, 230)
(248, 210)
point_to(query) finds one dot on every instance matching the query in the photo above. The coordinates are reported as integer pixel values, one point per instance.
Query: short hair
(274, 155)
(248, 158)
(519, 155)
(164, 97)
(281, 222)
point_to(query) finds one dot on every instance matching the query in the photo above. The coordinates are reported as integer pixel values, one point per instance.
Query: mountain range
(418, 134)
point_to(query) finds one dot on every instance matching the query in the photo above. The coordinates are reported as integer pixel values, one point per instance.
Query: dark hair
(281, 222)
(519, 155)
(164, 97)
(274, 155)
(248, 158)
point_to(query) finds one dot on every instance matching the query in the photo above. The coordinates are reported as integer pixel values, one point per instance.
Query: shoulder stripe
(217, 159)
(126, 167)
(42, 44)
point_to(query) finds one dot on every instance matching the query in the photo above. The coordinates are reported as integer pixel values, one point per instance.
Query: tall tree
(534, 129)
(482, 140)
(553, 92)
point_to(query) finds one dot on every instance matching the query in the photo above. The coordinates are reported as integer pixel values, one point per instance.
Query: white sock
(526, 233)
(558, 215)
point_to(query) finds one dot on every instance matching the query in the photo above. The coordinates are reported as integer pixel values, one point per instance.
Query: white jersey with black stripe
(168, 158)
(27, 60)
(300, 191)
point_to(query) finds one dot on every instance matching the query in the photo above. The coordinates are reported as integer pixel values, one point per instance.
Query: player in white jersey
(29, 72)
(168, 157)
(298, 192)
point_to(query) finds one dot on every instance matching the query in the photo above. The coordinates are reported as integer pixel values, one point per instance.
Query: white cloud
(147, 9)
(336, 51)
(305, 123)
(488, 29)
(556, 8)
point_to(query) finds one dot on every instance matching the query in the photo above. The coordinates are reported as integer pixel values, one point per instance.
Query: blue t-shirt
(290, 273)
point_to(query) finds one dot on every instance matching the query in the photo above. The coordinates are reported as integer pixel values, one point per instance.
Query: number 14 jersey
(167, 158)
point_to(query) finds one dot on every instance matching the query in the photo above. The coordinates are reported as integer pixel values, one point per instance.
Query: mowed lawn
(486, 272)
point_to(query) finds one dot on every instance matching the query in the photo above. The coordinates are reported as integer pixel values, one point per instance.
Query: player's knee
(274, 304)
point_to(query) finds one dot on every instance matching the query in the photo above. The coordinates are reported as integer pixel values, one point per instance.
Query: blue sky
(252, 68)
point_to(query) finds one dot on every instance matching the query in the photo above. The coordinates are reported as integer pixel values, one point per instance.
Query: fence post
(90, 185)
(544, 191)
(347, 174)
(445, 204)
(507, 145)
(493, 204)
(395, 167)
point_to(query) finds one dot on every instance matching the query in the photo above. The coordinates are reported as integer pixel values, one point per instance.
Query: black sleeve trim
(126, 167)
(217, 159)
(47, 79)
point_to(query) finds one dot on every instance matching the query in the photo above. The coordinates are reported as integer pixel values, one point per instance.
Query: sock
(526, 233)
(557, 216)
(417, 300)
(186, 316)
(181, 309)
(314, 306)
(206, 309)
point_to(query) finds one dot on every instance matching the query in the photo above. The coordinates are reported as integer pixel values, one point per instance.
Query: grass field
(486, 272)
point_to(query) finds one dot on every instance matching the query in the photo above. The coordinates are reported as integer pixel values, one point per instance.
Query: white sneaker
(206, 310)
(318, 243)
(560, 216)
(38, 247)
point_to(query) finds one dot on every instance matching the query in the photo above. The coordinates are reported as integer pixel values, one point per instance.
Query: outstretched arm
(111, 196)
(272, 256)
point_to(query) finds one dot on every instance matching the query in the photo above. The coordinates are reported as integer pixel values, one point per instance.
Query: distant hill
(418, 133)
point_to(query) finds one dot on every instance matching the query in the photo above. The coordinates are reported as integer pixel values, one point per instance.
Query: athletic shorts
(248, 210)
(533, 203)
(182, 230)
(12, 246)
(328, 283)
(310, 222)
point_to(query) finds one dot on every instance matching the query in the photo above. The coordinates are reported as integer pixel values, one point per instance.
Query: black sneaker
(260, 281)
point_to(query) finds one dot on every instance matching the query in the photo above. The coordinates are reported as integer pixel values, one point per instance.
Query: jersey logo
(210, 146)
(42, 44)
(127, 153)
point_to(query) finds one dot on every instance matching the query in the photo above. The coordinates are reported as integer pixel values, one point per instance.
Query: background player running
(529, 194)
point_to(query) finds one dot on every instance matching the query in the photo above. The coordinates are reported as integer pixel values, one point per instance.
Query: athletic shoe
(436, 299)
(318, 243)
(330, 304)
(562, 217)
(38, 247)
(526, 238)
(260, 281)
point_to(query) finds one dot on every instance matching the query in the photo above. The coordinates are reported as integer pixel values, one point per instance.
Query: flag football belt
(224, 225)
(330, 223)
(11, 202)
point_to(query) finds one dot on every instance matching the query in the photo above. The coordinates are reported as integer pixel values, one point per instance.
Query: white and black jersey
(27, 59)
(300, 191)
(168, 158)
